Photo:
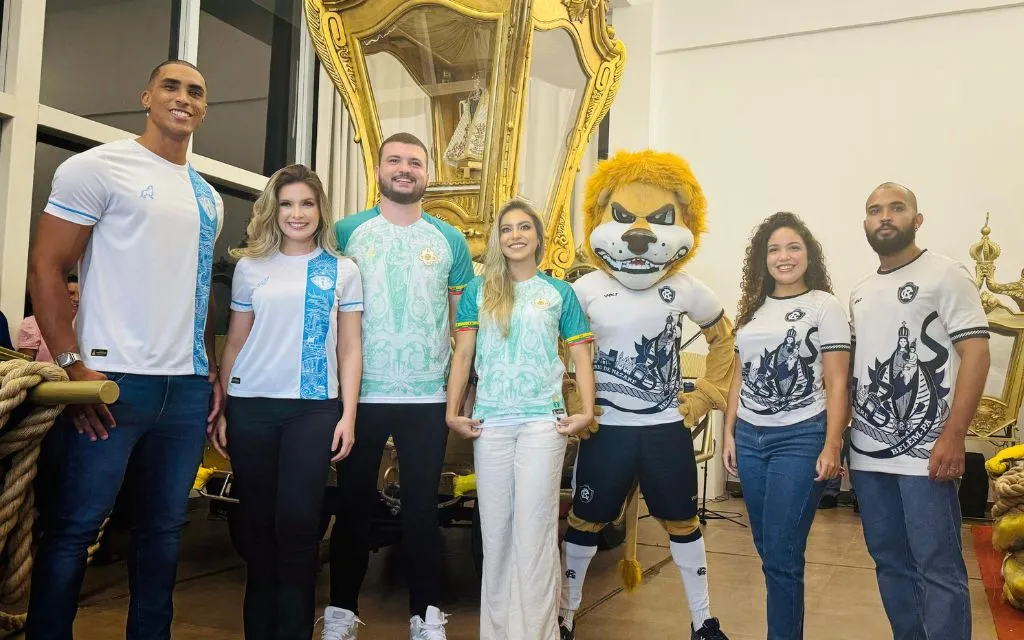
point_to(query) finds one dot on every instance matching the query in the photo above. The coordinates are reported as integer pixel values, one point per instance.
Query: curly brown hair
(757, 284)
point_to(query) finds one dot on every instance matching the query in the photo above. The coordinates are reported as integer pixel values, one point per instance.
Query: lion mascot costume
(644, 215)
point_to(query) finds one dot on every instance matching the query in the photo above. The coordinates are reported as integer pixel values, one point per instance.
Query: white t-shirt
(638, 335)
(292, 349)
(145, 274)
(906, 323)
(781, 351)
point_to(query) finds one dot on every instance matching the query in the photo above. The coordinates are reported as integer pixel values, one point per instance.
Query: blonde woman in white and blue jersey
(293, 350)
(511, 319)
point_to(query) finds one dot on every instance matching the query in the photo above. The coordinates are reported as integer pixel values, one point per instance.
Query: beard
(398, 197)
(895, 243)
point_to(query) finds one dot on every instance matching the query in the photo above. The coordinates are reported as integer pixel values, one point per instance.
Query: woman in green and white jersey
(511, 319)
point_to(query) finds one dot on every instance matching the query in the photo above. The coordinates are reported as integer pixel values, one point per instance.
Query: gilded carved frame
(996, 418)
(338, 27)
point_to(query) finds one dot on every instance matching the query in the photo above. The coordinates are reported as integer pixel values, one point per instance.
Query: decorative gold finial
(985, 251)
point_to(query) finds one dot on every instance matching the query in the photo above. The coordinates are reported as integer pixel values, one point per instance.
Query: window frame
(23, 118)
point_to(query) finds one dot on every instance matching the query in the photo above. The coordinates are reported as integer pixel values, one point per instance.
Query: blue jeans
(161, 424)
(777, 470)
(912, 529)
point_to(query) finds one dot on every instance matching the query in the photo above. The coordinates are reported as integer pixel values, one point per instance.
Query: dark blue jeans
(161, 424)
(912, 529)
(777, 470)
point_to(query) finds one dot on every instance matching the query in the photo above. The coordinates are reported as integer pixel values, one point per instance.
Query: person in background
(292, 348)
(30, 340)
(5, 333)
(511, 318)
(788, 404)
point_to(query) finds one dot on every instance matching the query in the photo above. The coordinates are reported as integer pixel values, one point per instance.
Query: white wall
(807, 105)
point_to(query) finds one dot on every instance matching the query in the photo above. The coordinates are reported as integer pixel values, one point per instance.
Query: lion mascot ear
(644, 213)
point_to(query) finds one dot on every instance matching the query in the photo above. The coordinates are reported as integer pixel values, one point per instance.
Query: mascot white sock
(575, 562)
(691, 559)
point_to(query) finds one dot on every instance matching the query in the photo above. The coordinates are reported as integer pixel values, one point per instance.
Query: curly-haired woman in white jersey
(511, 318)
(293, 346)
(788, 404)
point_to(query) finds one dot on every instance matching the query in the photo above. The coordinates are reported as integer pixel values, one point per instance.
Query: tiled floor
(842, 596)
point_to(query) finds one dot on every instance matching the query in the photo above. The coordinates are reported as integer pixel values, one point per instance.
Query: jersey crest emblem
(667, 293)
(795, 315)
(429, 257)
(907, 293)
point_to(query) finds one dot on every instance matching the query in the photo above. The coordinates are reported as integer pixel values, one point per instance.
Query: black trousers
(280, 454)
(421, 436)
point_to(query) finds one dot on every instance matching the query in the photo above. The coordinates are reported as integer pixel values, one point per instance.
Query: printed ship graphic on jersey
(903, 405)
(651, 376)
(783, 380)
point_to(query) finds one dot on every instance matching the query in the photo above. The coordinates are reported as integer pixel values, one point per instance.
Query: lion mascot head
(644, 215)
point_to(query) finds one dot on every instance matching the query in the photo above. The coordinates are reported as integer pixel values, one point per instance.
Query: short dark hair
(157, 68)
(404, 138)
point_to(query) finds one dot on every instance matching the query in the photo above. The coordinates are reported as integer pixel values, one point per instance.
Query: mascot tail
(629, 567)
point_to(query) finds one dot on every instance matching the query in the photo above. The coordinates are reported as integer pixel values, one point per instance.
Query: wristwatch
(67, 359)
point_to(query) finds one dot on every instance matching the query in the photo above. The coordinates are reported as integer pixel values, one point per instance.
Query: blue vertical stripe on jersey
(321, 281)
(207, 234)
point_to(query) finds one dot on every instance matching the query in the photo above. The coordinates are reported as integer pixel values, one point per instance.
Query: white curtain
(339, 159)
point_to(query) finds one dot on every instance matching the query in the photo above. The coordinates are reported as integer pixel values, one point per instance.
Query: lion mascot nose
(638, 240)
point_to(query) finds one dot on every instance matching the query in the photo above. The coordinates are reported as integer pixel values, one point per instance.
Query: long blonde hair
(499, 288)
(263, 235)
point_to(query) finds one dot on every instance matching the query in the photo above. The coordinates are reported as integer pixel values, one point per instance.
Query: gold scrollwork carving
(578, 9)
(990, 418)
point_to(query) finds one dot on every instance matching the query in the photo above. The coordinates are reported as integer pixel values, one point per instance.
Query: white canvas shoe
(340, 624)
(430, 628)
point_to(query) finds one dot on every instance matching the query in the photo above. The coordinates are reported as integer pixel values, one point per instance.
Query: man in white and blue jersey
(140, 223)
(413, 268)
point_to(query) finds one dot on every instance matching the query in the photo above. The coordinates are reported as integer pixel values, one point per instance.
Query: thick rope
(20, 444)
(1009, 489)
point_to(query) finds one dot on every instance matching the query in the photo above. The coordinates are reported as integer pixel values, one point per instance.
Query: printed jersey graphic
(903, 404)
(784, 379)
(651, 375)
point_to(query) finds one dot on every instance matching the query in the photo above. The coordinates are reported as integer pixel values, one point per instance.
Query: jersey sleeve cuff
(70, 214)
(456, 289)
(355, 305)
(240, 306)
(835, 346)
(467, 325)
(708, 325)
(581, 338)
(973, 332)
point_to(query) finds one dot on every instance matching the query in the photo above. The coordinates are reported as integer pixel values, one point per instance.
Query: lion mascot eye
(620, 215)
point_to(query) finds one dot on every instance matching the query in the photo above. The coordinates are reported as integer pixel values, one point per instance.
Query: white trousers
(518, 475)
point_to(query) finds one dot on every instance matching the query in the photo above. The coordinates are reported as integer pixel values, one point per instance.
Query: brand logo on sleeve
(147, 193)
(98, 353)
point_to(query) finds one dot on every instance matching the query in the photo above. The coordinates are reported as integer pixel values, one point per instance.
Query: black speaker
(974, 487)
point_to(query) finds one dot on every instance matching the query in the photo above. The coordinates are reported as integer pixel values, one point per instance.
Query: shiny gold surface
(459, 55)
(996, 418)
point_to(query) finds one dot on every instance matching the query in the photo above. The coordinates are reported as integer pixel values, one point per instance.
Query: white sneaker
(430, 629)
(340, 624)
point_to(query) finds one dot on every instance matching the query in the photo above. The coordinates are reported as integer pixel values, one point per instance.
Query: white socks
(575, 561)
(692, 562)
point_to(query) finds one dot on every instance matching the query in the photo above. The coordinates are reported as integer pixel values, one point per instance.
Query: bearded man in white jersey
(140, 223)
(919, 367)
